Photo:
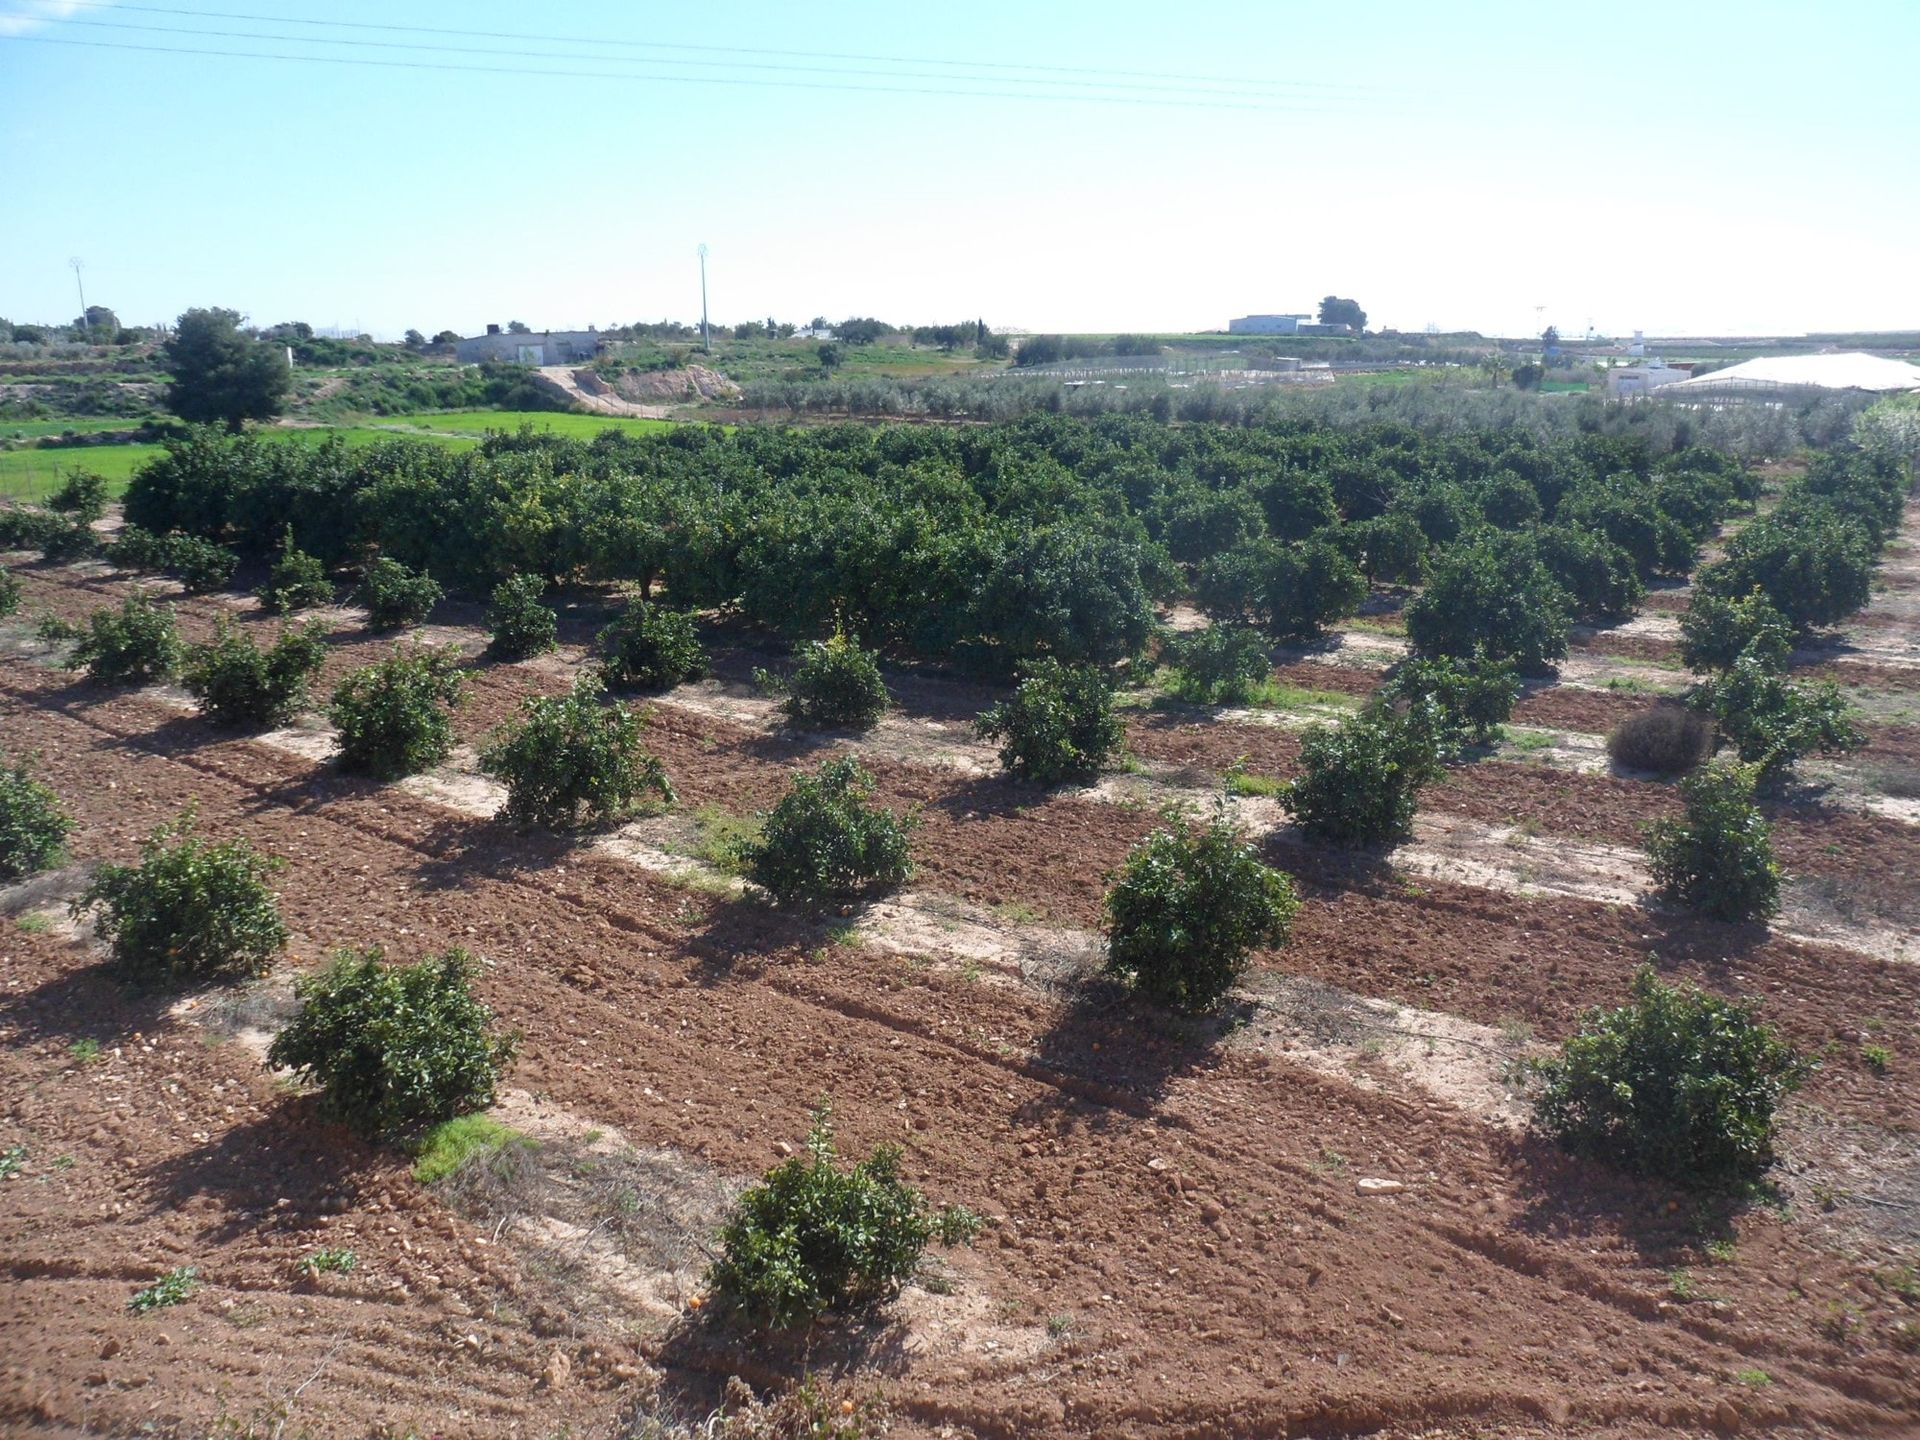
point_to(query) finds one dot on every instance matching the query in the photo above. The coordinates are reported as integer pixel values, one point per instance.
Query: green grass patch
(718, 834)
(73, 424)
(1240, 782)
(450, 1144)
(1526, 741)
(474, 424)
(33, 475)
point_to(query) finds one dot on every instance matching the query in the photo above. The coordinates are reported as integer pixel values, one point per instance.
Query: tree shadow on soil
(90, 1003)
(997, 796)
(701, 1354)
(462, 854)
(279, 1171)
(750, 927)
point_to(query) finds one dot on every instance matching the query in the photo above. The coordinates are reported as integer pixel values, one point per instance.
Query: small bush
(811, 1237)
(1360, 781)
(26, 529)
(81, 496)
(1680, 1085)
(298, 581)
(1718, 629)
(33, 827)
(134, 645)
(1718, 860)
(1494, 598)
(573, 761)
(9, 592)
(1772, 722)
(396, 1047)
(836, 683)
(651, 648)
(824, 843)
(1307, 586)
(69, 542)
(521, 622)
(190, 908)
(393, 715)
(395, 596)
(1667, 738)
(199, 565)
(1190, 905)
(238, 684)
(1224, 664)
(173, 1288)
(1057, 725)
(1471, 699)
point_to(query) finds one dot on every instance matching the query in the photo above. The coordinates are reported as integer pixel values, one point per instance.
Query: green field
(476, 423)
(79, 425)
(36, 474)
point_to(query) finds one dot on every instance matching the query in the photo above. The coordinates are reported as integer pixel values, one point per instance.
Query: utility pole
(85, 324)
(706, 337)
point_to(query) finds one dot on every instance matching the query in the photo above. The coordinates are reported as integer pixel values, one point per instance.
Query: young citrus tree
(1191, 904)
(573, 760)
(238, 684)
(836, 683)
(1223, 664)
(651, 648)
(521, 621)
(393, 715)
(824, 843)
(298, 581)
(1360, 781)
(1057, 725)
(395, 596)
(134, 645)
(1718, 860)
(33, 827)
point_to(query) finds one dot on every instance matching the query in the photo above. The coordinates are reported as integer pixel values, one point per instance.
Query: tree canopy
(221, 375)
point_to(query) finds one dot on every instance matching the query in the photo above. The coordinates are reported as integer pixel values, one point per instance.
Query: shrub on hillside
(396, 1047)
(33, 827)
(836, 683)
(824, 843)
(298, 581)
(1666, 738)
(1719, 860)
(1679, 1084)
(1771, 721)
(82, 496)
(1718, 629)
(393, 715)
(1223, 664)
(1190, 905)
(811, 1237)
(237, 683)
(651, 648)
(395, 596)
(190, 908)
(1492, 598)
(521, 621)
(1057, 725)
(1360, 781)
(134, 645)
(573, 760)
(1469, 700)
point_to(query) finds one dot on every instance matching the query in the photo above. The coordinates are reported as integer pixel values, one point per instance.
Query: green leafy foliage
(298, 581)
(221, 374)
(1057, 725)
(173, 1288)
(1494, 599)
(1360, 781)
(1679, 1084)
(82, 497)
(522, 622)
(134, 645)
(201, 566)
(823, 842)
(393, 715)
(1223, 664)
(1719, 860)
(1469, 700)
(1666, 738)
(1307, 586)
(239, 684)
(573, 760)
(811, 1237)
(1190, 905)
(1718, 629)
(1598, 575)
(33, 827)
(9, 592)
(1771, 721)
(327, 1260)
(836, 683)
(395, 596)
(396, 1047)
(191, 908)
(1814, 565)
(651, 648)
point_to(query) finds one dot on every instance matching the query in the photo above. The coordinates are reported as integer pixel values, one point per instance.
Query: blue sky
(1702, 167)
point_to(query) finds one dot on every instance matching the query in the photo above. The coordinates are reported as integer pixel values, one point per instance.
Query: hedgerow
(573, 760)
(824, 843)
(1678, 1084)
(1189, 907)
(190, 908)
(1057, 725)
(134, 645)
(650, 647)
(33, 826)
(811, 1237)
(393, 715)
(1719, 860)
(237, 683)
(396, 1048)
(836, 683)
(522, 623)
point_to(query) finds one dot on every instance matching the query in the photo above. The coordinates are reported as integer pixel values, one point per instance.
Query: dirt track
(1183, 1212)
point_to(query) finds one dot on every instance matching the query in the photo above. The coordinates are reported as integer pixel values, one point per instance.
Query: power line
(1093, 85)
(1255, 83)
(631, 76)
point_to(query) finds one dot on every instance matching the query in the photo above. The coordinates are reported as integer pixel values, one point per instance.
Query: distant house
(1643, 378)
(550, 347)
(1283, 325)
